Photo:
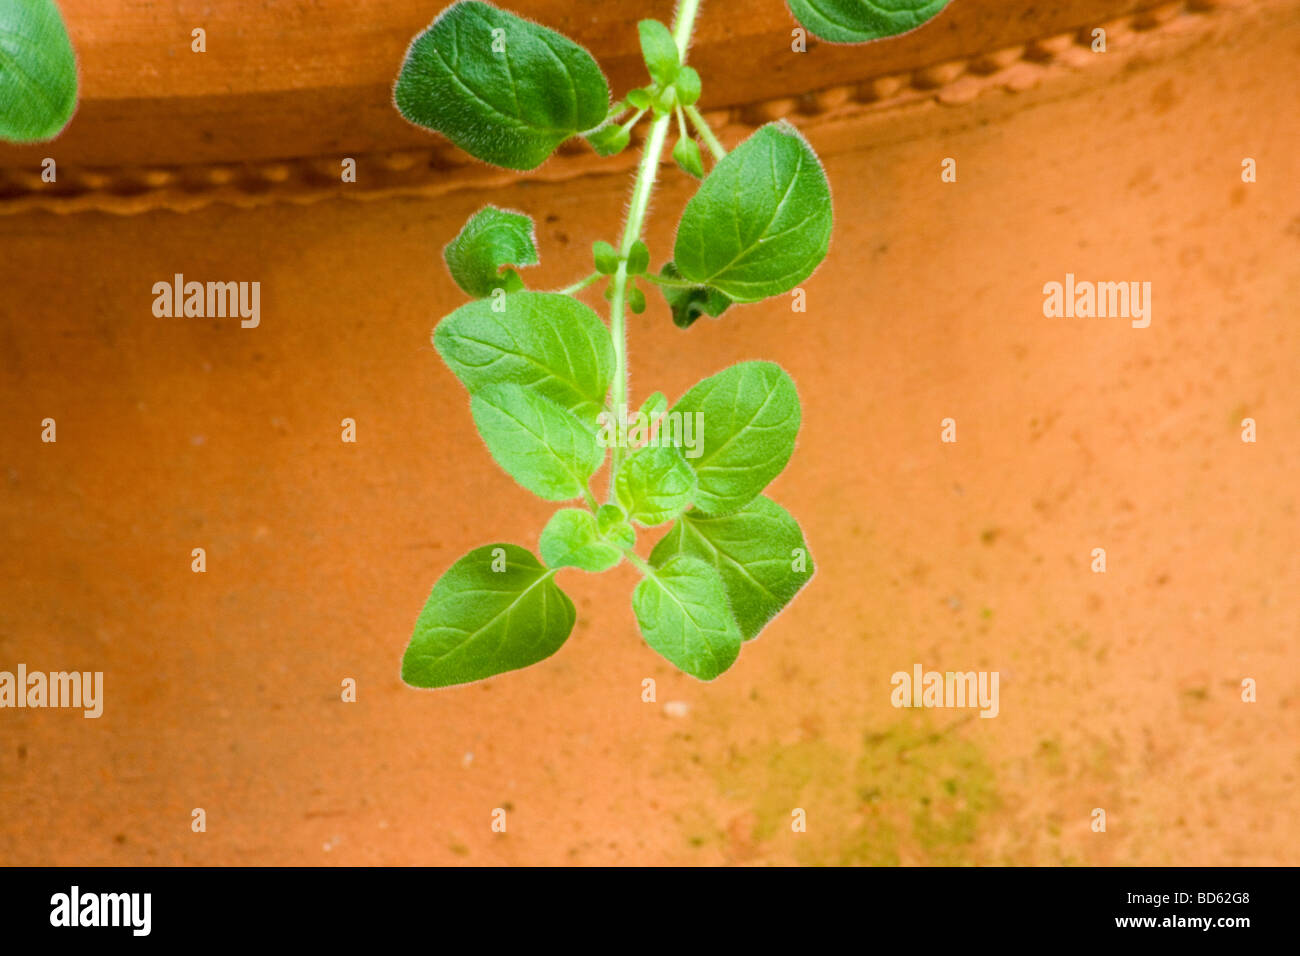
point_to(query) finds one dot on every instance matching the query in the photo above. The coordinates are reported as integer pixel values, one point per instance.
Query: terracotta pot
(1120, 691)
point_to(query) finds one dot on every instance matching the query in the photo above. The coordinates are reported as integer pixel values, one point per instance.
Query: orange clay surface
(1118, 690)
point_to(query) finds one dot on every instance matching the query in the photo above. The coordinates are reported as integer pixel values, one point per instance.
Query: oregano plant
(548, 378)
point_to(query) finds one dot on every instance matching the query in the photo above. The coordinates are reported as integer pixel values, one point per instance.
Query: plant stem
(636, 560)
(580, 284)
(706, 132)
(686, 13)
(669, 283)
(651, 155)
(645, 178)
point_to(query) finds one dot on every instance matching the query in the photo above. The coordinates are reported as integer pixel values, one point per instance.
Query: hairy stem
(651, 155)
(640, 564)
(706, 132)
(581, 284)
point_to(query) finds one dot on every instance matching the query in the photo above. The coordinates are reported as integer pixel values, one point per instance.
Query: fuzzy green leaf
(687, 155)
(38, 71)
(750, 414)
(688, 86)
(492, 239)
(609, 516)
(612, 522)
(638, 259)
(609, 140)
(682, 610)
(495, 610)
(572, 539)
(654, 485)
(761, 222)
(551, 343)
(635, 298)
(505, 90)
(542, 446)
(652, 408)
(858, 21)
(759, 551)
(660, 51)
(606, 257)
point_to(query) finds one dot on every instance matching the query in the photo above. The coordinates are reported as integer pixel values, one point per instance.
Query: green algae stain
(910, 794)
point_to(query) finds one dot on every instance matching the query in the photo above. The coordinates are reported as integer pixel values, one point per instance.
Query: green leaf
(688, 86)
(654, 485)
(492, 239)
(687, 305)
(38, 72)
(653, 407)
(503, 89)
(687, 155)
(759, 551)
(609, 516)
(635, 299)
(572, 539)
(750, 416)
(551, 343)
(682, 610)
(542, 446)
(495, 610)
(638, 258)
(606, 257)
(857, 21)
(664, 101)
(761, 222)
(609, 140)
(660, 51)
(621, 536)
(613, 526)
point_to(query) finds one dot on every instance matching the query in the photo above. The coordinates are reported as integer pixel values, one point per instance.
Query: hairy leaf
(682, 610)
(571, 539)
(750, 414)
(609, 140)
(759, 551)
(659, 50)
(653, 407)
(496, 609)
(492, 239)
(761, 222)
(612, 522)
(505, 90)
(654, 485)
(857, 21)
(38, 71)
(605, 256)
(688, 86)
(542, 446)
(687, 155)
(550, 343)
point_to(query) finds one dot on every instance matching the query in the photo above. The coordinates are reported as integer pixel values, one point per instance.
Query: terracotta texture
(1118, 690)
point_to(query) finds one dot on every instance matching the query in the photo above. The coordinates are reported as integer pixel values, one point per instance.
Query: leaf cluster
(543, 370)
